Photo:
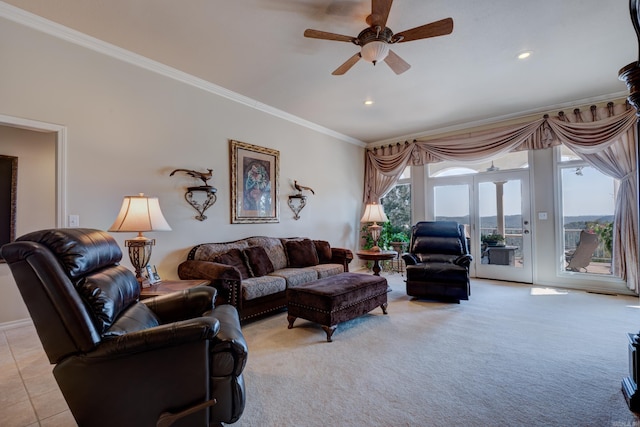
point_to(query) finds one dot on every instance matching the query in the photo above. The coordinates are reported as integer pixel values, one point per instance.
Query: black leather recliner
(438, 261)
(120, 361)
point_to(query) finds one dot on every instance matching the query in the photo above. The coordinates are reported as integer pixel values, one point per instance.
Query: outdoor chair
(580, 258)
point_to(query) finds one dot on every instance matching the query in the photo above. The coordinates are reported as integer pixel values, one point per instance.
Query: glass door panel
(452, 202)
(503, 236)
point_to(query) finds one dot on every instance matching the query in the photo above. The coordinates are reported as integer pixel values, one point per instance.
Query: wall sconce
(296, 203)
(374, 213)
(209, 197)
(206, 203)
(139, 214)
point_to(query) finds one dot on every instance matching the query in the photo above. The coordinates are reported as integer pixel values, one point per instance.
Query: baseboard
(15, 324)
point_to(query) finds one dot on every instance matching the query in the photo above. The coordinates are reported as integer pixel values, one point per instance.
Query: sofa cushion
(296, 276)
(440, 258)
(301, 253)
(256, 287)
(326, 270)
(234, 258)
(258, 260)
(208, 251)
(323, 249)
(437, 245)
(138, 317)
(274, 248)
(108, 293)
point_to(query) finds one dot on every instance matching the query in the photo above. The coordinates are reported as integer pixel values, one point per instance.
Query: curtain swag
(604, 137)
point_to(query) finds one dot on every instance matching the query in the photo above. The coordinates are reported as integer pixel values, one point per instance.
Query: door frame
(61, 156)
(499, 272)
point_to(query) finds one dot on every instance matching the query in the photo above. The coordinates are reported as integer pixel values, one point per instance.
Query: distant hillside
(515, 221)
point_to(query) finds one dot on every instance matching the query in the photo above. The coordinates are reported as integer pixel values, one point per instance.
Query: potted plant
(493, 239)
(399, 242)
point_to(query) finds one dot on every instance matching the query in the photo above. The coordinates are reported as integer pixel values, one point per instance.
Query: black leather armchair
(438, 261)
(173, 359)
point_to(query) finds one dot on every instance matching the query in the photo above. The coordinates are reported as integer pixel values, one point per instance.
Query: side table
(376, 257)
(168, 286)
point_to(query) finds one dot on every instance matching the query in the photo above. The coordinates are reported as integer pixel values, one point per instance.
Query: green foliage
(605, 234)
(492, 238)
(399, 237)
(397, 206)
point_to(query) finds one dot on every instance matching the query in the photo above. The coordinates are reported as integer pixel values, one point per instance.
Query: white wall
(128, 128)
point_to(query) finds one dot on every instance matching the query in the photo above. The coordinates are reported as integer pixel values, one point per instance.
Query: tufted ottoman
(336, 299)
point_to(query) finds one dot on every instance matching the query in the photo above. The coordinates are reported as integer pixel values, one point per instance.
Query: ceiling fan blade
(397, 64)
(379, 13)
(316, 34)
(435, 29)
(347, 65)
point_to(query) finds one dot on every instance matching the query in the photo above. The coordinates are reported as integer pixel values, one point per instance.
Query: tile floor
(29, 395)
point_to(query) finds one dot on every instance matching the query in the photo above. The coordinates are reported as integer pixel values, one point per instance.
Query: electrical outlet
(74, 221)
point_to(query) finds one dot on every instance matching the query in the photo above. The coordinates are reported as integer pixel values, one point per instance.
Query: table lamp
(138, 214)
(374, 213)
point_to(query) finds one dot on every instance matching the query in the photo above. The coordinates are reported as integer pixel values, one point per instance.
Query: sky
(590, 193)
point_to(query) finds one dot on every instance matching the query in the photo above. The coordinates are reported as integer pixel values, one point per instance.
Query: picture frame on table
(255, 176)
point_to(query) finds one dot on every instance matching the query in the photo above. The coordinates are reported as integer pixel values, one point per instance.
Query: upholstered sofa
(253, 274)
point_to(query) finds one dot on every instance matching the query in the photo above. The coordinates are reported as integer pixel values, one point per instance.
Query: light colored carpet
(506, 357)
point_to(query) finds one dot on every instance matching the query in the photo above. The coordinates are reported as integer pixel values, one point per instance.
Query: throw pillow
(324, 251)
(301, 253)
(234, 258)
(259, 261)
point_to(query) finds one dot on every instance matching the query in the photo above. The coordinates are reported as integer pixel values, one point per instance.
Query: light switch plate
(74, 221)
(542, 216)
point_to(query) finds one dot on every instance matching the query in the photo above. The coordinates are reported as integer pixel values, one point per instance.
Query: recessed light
(524, 55)
(368, 102)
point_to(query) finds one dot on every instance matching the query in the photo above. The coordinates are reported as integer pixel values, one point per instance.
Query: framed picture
(254, 183)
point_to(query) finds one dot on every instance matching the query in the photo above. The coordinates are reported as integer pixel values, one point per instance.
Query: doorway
(490, 204)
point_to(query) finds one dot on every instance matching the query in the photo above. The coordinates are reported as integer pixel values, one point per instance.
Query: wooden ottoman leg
(384, 307)
(329, 330)
(291, 319)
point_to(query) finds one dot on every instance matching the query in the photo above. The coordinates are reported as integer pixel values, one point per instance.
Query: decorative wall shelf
(297, 202)
(207, 197)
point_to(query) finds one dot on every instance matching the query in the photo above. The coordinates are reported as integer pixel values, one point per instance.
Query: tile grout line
(15, 361)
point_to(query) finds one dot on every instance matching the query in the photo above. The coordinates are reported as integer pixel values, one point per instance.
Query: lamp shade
(374, 51)
(374, 213)
(140, 213)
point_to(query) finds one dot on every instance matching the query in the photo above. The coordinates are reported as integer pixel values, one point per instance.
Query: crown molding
(51, 28)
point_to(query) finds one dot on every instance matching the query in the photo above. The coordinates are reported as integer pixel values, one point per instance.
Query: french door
(489, 203)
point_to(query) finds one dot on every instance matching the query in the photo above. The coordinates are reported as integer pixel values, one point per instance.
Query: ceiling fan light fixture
(375, 51)
(525, 54)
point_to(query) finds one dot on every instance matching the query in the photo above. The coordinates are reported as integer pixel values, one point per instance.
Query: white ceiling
(256, 48)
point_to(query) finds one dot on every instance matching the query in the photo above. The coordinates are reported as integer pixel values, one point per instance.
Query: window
(588, 203)
(397, 206)
(515, 160)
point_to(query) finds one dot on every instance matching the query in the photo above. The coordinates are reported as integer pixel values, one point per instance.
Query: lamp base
(375, 248)
(139, 255)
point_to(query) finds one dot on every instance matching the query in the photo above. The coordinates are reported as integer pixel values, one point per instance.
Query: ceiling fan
(374, 41)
